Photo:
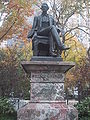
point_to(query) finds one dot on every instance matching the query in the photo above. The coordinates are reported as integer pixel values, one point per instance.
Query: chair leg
(35, 51)
(51, 48)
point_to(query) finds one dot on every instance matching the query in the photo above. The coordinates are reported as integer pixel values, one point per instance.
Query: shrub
(5, 107)
(84, 109)
(8, 117)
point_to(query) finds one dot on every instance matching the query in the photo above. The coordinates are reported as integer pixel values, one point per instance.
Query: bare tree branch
(70, 37)
(69, 16)
(85, 26)
(83, 17)
(78, 27)
(7, 31)
(38, 6)
(83, 31)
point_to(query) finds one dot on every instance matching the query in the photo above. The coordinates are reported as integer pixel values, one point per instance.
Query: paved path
(72, 102)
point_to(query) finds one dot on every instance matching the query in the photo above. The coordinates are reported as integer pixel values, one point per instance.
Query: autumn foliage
(77, 54)
(15, 21)
(12, 76)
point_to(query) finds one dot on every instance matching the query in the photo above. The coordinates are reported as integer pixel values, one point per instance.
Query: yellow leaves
(27, 51)
(10, 57)
(77, 51)
(77, 54)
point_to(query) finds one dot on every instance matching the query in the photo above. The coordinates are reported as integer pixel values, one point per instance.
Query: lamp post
(79, 91)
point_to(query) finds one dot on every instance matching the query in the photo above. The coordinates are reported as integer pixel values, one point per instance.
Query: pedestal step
(47, 111)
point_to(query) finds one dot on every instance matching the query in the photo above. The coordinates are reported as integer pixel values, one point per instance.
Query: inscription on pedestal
(47, 91)
(47, 76)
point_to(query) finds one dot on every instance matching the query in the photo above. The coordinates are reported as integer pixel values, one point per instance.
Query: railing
(82, 94)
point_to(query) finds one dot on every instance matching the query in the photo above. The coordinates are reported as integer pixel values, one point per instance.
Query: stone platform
(49, 66)
(48, 111)
(43, 58)
(47, 92)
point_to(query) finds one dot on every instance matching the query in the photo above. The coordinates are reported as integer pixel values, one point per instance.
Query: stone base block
(44, 58)
(47, 92)
(47, 111)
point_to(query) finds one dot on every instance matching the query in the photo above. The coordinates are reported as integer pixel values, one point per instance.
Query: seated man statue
(44, 25)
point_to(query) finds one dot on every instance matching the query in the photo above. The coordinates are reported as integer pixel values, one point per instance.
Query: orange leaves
(22, 6)
(23, 33)
(12, 4)
(17, 11)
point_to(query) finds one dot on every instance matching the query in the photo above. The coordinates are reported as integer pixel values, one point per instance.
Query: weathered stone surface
(47, 111)
(62, 67)
(45, 76)
(46, 58)
(47, 91)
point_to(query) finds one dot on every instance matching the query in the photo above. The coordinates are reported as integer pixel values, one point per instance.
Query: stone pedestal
(47, 92)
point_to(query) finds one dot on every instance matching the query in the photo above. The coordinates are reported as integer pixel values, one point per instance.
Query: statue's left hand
(31, 33)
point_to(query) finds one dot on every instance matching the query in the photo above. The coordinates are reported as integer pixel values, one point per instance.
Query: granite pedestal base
(47, 92)
(47, 111)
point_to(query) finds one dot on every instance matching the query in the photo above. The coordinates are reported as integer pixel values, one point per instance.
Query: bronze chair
(40, 45)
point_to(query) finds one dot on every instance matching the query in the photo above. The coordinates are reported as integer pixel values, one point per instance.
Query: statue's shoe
(53, 54)
(64, 47)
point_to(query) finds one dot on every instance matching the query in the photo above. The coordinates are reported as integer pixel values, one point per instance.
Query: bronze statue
(45, 35)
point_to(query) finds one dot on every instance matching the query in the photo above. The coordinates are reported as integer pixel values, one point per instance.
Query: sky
(2, 18)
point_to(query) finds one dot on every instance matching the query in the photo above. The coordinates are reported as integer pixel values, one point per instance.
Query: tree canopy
(12, 76)
(72, 16)
(14, 15)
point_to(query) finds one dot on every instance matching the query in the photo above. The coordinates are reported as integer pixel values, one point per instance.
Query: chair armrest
(35, 34)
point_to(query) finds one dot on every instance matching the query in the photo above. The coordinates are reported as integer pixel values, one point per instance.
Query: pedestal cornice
(61, 66)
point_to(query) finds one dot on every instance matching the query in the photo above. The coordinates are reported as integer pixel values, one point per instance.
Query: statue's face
(44, 7)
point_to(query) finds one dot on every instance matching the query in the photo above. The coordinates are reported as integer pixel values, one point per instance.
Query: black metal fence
(81, 94)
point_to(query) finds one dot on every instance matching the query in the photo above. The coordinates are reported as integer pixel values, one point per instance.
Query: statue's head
(44, 7)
